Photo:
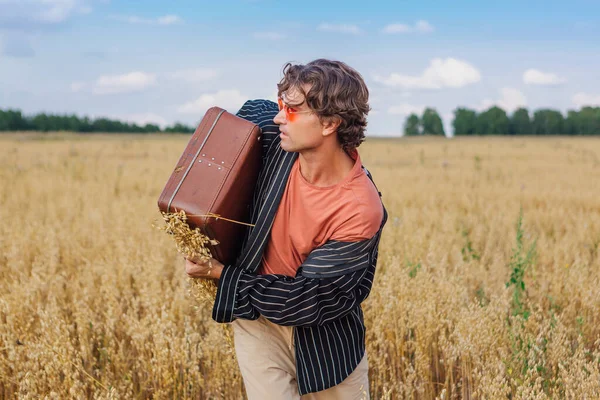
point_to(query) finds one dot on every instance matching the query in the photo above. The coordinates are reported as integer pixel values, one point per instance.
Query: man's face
(303, 131)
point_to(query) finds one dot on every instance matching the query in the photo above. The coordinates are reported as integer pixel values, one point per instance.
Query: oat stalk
(193, 244)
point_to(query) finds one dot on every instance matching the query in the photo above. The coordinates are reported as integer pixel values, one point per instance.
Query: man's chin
(286, 147)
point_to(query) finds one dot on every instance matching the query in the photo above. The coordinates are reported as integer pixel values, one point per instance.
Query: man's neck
(325, 166)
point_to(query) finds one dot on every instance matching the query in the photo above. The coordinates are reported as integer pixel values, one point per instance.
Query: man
(293, 296)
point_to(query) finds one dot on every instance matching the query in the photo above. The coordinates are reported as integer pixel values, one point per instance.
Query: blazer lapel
(278, 175)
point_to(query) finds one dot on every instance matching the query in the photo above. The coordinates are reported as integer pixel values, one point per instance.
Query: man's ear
(331, 125)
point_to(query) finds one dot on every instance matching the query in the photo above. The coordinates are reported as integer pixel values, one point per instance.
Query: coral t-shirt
(308, 216)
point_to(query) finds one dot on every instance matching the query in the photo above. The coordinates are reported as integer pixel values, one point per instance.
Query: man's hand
(204, 270)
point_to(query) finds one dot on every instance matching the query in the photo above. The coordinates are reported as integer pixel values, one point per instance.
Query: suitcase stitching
(182, 160)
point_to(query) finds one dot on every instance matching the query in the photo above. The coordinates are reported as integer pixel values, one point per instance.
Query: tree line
(495, 121)
(14, 120)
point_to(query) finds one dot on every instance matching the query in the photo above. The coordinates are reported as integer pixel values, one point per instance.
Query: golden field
(94, 301)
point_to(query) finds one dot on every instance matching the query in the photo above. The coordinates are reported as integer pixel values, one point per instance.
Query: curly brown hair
(337, 92)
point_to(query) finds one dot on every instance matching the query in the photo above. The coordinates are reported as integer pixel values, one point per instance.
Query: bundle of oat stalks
(193, 245)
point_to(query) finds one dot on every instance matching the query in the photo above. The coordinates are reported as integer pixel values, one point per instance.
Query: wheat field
(487, 287)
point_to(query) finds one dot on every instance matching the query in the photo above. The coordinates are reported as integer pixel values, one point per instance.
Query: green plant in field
(413, 268)
(482, 298)
(467, 251)
(520, 261)
(477, 163)
(579, 320)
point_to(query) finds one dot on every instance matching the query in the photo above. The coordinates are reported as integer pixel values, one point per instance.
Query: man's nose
(280, 117)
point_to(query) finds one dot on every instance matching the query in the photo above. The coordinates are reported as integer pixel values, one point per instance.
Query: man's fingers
(197, 270)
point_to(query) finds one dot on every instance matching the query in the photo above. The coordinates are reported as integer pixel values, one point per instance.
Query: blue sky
(162, 62)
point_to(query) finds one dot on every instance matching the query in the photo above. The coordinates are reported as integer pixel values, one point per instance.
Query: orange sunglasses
(290, 112)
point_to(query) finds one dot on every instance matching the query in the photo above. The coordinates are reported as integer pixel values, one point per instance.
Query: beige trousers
(266, 356)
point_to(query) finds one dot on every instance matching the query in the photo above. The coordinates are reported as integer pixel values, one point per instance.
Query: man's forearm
(299, 301)
(333, 280)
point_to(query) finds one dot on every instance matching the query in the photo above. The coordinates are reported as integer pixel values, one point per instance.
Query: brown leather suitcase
(216, 174)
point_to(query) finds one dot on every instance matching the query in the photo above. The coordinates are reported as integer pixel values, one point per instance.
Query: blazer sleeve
(331, 282)
(262, 112)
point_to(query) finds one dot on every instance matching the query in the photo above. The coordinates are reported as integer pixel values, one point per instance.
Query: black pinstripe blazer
(322, 302)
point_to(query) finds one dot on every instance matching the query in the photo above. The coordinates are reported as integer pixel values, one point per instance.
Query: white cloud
(138, 80)
(420, 26)
(131, 19)
(339, 28)
(230, 100)
(405, 109)
(584, 99)
(41, 11)
(126, 83)
(194, 75)
(397, 28)
(510, 99)
(441, 73)
(537, 77)
(424, 27)
(268, 36)
(134, 19)
(77, 86)
(23, 20)
(56, 10)
(169, 20)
